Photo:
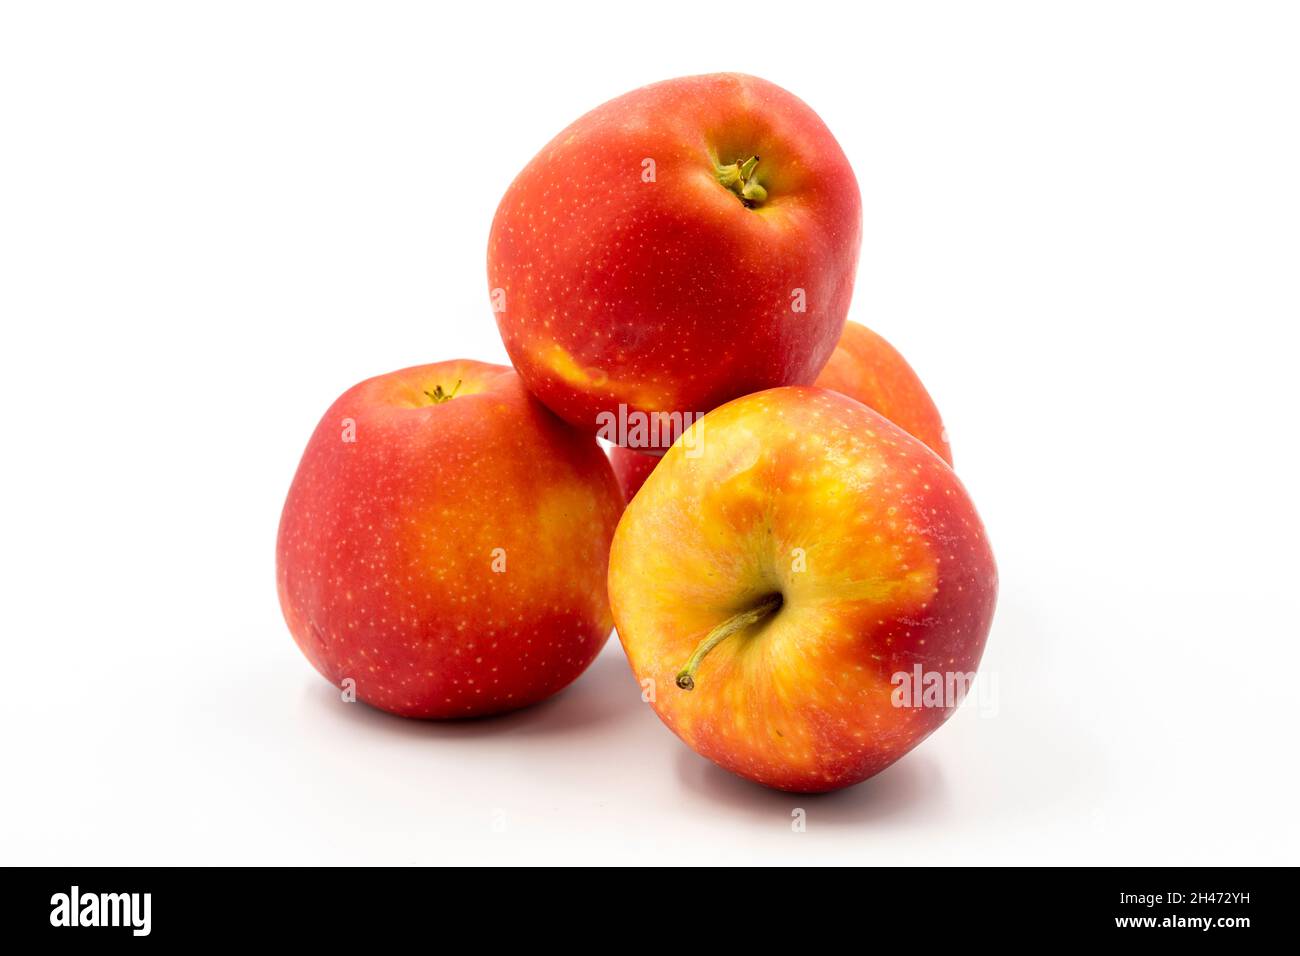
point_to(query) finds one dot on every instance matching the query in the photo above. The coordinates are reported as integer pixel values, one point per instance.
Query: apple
(631, 468)
(444, 544)
(772, 589)
(866, 367)
(679, 246)
(863, 366)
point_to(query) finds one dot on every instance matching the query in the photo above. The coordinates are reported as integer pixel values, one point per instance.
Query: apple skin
(631, 468)
(897, 573)
(673, 295)
(386, 563)
(866, 367)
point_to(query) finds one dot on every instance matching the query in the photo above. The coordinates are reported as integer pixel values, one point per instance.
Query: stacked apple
(672, 273)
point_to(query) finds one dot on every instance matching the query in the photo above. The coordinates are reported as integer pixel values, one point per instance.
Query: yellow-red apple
(866, 367)
(679, 246)
(773, 586)
(444, 544)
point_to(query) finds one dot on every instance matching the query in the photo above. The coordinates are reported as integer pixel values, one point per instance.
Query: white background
(1082, 226)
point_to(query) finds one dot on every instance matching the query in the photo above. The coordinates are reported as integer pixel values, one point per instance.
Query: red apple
(771, 589)
(444, 544)
(866, 367)
(631, 468)
(679, 246)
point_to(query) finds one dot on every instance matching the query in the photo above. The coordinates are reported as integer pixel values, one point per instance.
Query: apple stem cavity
(739, 178)
(737, 622)
(438, 396)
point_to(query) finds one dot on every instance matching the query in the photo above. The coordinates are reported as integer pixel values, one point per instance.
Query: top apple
(682, 245)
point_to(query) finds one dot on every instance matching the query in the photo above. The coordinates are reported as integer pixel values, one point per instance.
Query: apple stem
(438, 396)
(739, 178)
(737, 622)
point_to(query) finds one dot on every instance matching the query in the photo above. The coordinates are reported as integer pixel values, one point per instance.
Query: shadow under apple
(604, 696)
(914, 787)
